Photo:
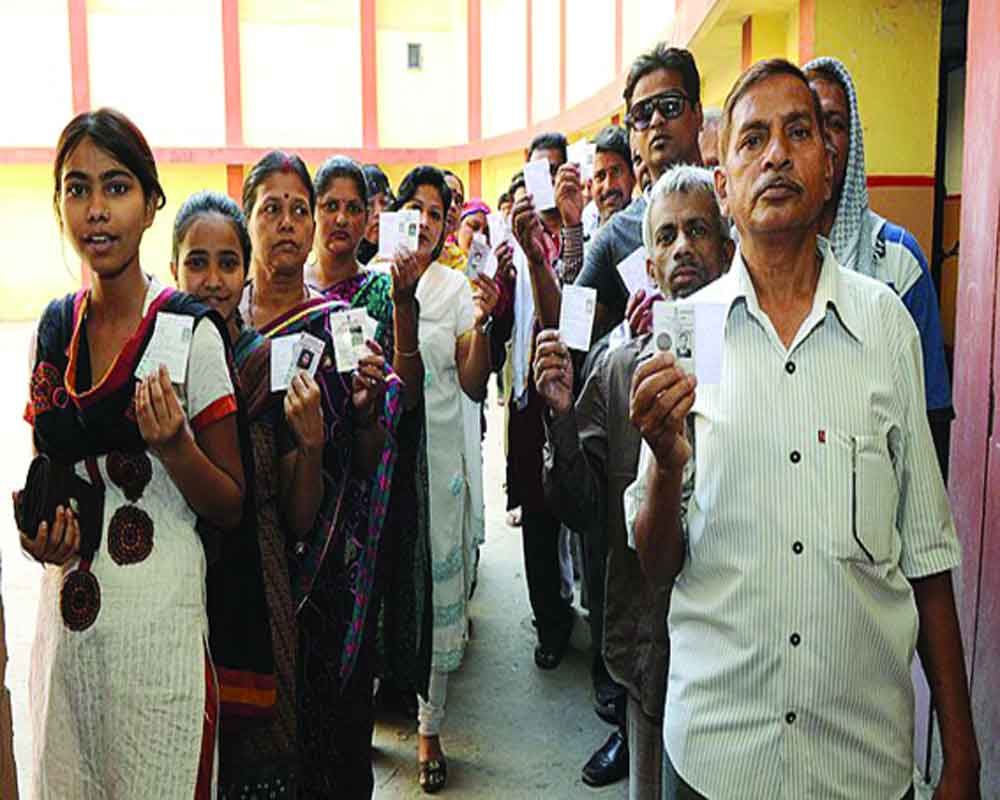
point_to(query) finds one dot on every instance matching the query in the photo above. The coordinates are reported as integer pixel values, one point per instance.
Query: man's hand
(639, 311)
(661, 398)
(528, 230)
(553, 369)
(569, 195)
(505, 263)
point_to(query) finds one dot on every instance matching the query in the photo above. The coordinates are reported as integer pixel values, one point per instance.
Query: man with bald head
(794, 510)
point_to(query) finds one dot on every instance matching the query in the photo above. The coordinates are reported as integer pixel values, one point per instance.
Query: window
(414, 58)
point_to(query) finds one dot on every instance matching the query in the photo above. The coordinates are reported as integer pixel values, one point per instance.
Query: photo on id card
(673, 332)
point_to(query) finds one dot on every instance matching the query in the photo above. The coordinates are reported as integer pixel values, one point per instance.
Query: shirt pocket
(864, 492)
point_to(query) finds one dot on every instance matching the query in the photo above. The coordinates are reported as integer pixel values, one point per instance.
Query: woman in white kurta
(124, 698)
(452, 357)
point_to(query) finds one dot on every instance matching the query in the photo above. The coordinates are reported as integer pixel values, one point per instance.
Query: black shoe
(609, 764)
(605, 695)
(549, 654)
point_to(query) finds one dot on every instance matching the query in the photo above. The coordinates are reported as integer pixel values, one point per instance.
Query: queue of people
(255, 548)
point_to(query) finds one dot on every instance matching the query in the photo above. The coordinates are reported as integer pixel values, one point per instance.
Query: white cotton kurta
(446, 312)
(118, 709)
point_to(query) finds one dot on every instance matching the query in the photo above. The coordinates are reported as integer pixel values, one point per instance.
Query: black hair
(340, 167)
(503, 198)
(203, 203)
(449, 174)
(118, 136)
(377, 182)
(275, 161)
(516, 182)
(549, 141)
(675, 59)
(425, 175)
(614, 139)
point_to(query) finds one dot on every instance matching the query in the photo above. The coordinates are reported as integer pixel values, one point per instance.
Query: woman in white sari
(452, 357)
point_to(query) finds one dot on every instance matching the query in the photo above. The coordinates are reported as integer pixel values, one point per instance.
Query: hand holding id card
(169, 345)
(695, 334)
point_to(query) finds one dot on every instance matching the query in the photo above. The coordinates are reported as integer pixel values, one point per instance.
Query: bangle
(401, 354)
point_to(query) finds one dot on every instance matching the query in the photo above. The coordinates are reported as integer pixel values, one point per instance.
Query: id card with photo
(349, 331)
(481, 259)
(673, 332)
(282, 348)
(169, 345)
(306, 356)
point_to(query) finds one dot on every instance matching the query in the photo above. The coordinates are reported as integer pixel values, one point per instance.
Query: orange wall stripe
(233, 79)
(807, 30)
(79, 55)
(476, 179)
(746, 58)
(234, 182)
(475, 49)
(369, 84)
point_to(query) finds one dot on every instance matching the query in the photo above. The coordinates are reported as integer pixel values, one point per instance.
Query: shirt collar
(831, 291)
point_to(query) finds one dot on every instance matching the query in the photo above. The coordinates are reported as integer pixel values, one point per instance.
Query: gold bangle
(401, 354)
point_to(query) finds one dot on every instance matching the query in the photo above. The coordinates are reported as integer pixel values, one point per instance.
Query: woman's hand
(528, 230)
(304, 411)
(505, 262)
(485, 295)
(55, 545)
(158, 411)
(405, 270)
(368, 386)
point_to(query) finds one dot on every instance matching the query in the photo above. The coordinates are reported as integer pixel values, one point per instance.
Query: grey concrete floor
(511, 731)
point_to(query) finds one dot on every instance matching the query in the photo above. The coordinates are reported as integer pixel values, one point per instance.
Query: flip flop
(433, 775)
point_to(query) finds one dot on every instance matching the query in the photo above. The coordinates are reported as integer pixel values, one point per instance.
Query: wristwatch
(486, 326)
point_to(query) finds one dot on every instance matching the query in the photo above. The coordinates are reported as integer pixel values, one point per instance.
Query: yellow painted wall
(427, 107)
(313, 100)
(769, 37)
(497, 172)
(545, 59)
(955, 143)
(35, 64)
(792, 35)
(162, 66)
(590, 58)
(891, 49)
(504, 65)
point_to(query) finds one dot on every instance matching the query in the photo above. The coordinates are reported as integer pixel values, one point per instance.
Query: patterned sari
(404, 580)
(333, 569)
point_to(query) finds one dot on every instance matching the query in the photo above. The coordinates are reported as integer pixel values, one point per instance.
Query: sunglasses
(669, 104)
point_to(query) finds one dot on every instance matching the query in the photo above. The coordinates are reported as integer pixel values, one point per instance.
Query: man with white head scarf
(867, 243)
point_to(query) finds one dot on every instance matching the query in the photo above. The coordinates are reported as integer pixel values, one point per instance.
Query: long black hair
(203, 203)
(275, 161)
(425, 176)
(119, 137)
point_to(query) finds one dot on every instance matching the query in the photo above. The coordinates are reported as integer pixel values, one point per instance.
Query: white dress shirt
(814, 496)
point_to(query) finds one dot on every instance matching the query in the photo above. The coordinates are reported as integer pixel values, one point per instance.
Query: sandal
(433, 775)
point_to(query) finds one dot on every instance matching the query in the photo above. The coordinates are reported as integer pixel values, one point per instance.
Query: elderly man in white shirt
(796, 508)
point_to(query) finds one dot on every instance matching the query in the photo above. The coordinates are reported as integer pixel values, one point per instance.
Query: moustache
(781, 182)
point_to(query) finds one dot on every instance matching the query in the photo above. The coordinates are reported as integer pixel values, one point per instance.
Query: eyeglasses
(669, 104)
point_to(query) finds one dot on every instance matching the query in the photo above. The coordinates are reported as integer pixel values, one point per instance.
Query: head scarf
(474, 206)
(854, 226)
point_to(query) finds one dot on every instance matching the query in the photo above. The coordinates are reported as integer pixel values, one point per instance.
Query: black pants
(540, 535)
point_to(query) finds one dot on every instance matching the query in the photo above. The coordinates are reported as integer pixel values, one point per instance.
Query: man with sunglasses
(663, 102)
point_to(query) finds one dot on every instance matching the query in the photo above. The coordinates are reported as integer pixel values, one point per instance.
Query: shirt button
(790, 717)
(796, 456)
(790, 367)
(300, 549)
(797, 548)
(796, 640)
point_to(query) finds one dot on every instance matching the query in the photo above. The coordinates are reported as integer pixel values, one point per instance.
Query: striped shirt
(812, 498)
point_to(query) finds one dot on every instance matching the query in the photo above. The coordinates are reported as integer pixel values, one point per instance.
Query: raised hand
(569, 194)
(528, 230)
(553, 369)
(368, 386)
(304, 412)
(485, 295)
(158, 411)
(505, 262)
(639, 311)
(661, 398)
(405, 270)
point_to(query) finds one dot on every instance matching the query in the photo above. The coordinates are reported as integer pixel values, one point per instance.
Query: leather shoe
(605, 694)
(609, 764)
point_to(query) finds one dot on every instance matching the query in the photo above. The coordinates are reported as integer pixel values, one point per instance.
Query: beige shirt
(813, 499)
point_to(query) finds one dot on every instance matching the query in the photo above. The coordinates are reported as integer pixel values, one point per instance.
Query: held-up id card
(169, 345)
(349, 330)
(481, 259)
(632, 270)
(306, 355)
(576, 316)
(694, 333)
(538, 182)
(499, 232)
(396, 228)
(583, 153)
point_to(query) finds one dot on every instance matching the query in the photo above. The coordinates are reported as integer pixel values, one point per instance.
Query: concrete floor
(512, 730)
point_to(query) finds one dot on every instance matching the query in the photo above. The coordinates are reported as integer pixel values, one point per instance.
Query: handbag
(50, 484)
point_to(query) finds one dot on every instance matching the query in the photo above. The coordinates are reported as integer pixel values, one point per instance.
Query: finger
(71, 540)
(633, 302)
(666, 409)
(548, 376)
(157, 401)
(56, 534)
(553, 347)
(171, 402)
(35, 547)
(546, 335)
(649, 388)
